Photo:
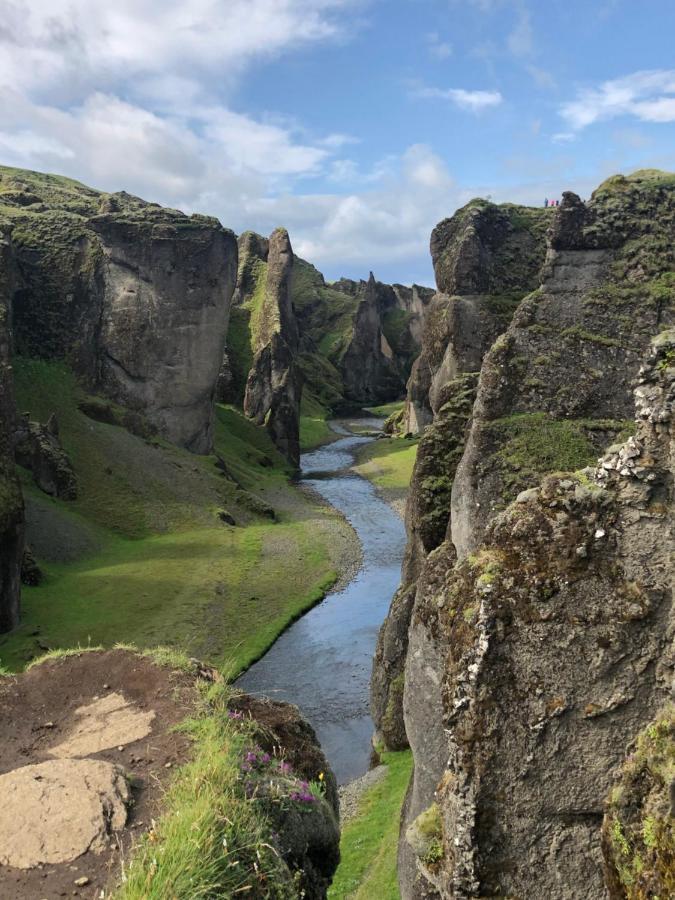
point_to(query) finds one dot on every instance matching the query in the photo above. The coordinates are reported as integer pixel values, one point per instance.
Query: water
(323, 662)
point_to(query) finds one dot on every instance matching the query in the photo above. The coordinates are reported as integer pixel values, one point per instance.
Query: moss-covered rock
(532, 663)
(638, 831)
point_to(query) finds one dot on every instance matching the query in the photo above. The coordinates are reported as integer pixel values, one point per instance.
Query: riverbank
(388, 463)
(369, 840)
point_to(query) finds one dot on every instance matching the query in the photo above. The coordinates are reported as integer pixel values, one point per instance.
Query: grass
(210, 840)
(155, 565)
(369, 842)
(386, 409)
(388, 463)
(314, 428)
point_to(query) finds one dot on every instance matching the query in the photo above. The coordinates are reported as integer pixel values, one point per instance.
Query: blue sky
(357, 124)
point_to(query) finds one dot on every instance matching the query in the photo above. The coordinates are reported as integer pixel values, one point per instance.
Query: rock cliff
(499, 251)
(486, 259)
(555, 390)
(274, 382)
(135, 297)
(515, 742)
(11, 503)
(535, 662)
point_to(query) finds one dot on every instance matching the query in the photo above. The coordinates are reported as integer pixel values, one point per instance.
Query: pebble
(81, 882)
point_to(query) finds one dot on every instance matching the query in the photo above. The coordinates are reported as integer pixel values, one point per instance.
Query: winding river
(322, 663)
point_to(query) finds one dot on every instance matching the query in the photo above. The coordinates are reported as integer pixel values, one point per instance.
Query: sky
(356, 124)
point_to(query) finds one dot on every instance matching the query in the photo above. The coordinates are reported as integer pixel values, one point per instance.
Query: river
(322, 663)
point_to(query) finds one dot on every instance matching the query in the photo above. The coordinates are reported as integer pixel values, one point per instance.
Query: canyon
(162, 382)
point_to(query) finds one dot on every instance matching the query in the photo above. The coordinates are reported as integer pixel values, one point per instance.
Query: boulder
(37, 448)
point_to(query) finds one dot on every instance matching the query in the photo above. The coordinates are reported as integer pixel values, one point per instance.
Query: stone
(66, 807)
(37, 448)
(105, 723)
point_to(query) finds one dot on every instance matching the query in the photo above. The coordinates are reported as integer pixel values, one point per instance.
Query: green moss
(576, 332)
(244, 323)
(369, 843)
(638, 831)
(533, 444)
(392, 714)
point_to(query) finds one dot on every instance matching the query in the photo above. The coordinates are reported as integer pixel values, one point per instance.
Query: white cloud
(473, 101)
(563, 137)
(648, 96)
(521, 40)
(439, 48)
(68, 46)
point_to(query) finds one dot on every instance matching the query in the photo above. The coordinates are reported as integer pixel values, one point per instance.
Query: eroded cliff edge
(135, 297)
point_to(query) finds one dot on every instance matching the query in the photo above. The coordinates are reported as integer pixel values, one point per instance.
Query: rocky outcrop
(135, 297)
(11, 502)
(539, 639)
(37, 448)
(459, 328)
(486, 259)
(369, 369)
(535, 661)
(556, 389)
(274, 383)
(166, 290)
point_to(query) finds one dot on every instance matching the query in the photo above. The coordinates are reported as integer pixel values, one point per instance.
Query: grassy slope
(388, 463)
(386, 409)
(369, 842)
(156, 566)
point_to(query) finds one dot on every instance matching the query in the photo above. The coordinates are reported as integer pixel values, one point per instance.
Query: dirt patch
(41, 710)
(109, 721)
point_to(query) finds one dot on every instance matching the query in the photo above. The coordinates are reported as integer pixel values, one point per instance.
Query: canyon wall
(11, 503)
(497, 250)
(539, 612)
(134, 296)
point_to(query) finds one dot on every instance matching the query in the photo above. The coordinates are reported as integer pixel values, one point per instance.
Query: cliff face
(552, 647)
(274, 384)
(164, 313)
(134, 296)
(486, 259)
(11, 503)
(497, 250)
(538, 644)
